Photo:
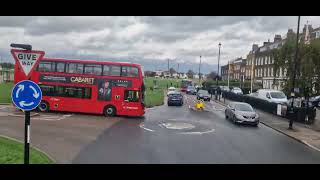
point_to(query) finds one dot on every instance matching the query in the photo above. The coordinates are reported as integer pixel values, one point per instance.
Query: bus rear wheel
(43, 106)
(109, 111)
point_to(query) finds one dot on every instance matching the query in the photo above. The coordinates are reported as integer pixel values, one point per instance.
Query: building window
(271, 71)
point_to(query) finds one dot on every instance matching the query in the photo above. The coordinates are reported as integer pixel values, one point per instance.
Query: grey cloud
(159, 37)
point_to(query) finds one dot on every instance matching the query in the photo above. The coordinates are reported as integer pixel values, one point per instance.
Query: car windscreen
(191, 88)
(243, 107)
(203, 92)
(277, 95)
(174, 95)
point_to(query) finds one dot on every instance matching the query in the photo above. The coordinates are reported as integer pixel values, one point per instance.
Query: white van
(271, 95)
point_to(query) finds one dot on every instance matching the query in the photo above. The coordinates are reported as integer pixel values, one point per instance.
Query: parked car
(175, 98)
(225, 89)
(298, 102)
(236, 90)
(271, 95)
(191, 90)
(315, 101)
(240, 112)
(170, 90)
(203, 94)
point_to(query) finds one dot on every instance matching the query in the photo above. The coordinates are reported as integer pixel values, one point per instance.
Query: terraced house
(260, 61)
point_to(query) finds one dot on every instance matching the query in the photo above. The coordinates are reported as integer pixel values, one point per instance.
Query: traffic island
(300, 132)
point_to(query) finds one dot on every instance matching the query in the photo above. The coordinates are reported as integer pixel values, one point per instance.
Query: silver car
(242, 113)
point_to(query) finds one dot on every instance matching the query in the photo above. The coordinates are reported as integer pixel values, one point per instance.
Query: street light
(294, 74)
(217, 77)
(199, 71)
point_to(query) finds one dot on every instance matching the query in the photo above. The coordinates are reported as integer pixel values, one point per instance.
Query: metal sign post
(26, 95)
(27, 137)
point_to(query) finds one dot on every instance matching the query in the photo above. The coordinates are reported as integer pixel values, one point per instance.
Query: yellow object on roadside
(200, 104)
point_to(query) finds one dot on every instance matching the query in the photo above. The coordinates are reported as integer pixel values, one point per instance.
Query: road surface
(182, 135)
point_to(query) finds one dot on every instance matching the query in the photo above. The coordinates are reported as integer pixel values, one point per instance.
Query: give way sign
(27, 59)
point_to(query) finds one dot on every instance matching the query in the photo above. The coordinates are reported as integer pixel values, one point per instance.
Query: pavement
(166, 135)
(304, 133)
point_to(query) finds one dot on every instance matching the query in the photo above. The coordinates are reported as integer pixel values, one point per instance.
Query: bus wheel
(43, 106)
(109, 111)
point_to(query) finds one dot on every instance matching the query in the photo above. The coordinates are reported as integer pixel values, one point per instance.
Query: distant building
(236, 71)
(6, 75)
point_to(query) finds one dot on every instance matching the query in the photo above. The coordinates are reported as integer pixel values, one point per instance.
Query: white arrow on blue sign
(26, 95)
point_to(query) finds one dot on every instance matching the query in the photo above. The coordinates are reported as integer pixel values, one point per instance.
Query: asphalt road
(182, 135)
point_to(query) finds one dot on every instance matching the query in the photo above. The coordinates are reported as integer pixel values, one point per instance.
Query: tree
(7, 65)
(190, 74)
(172, 71)
(213, 75)
(149, 73)
(308, 66)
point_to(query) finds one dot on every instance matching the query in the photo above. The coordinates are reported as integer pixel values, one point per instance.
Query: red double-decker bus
(110, 88)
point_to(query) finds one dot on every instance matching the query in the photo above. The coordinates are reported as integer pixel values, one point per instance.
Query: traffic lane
(263, 139)
(127, 142)
(61, 139)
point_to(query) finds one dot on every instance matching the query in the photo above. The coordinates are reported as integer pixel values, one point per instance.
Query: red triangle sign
(27, 60)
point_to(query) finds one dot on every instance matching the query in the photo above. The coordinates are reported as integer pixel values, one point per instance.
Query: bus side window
(46, 66)
(129, 71)
(131, 96)
(93, 69)
(115, 70)
(74, 68)
(60, 67)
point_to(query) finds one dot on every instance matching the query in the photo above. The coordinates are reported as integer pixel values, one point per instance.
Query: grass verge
(12, 152)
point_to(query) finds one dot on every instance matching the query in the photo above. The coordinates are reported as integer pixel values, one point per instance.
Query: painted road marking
(198, 133)
(142, 126)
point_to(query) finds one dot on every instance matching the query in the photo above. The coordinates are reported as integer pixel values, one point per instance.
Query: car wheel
(44, 106)
(226, 116)
(168, 104)
(109, 111)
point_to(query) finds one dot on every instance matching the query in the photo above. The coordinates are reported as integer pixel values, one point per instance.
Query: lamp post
(199, 71)
(217, 79)
(294, 74)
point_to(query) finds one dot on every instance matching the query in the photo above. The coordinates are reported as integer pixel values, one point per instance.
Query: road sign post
(26, 95)
(27, 137)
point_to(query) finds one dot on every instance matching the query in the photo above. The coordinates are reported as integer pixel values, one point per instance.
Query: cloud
(151, 38)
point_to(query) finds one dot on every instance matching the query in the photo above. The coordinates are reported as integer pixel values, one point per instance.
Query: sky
(148, 40)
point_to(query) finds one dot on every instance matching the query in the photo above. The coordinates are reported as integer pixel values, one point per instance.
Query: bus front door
(132, 104)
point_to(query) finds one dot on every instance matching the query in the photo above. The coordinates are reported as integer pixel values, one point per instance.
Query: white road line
(142, 126)
(198, 133)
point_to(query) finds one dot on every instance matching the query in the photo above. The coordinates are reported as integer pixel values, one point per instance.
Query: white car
(236, 90)
(170, 90)
(271, 95)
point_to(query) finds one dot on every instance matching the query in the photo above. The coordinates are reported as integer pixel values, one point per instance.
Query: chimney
(255, 47)
(266, 43)
(290, 33)
(277, 38)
